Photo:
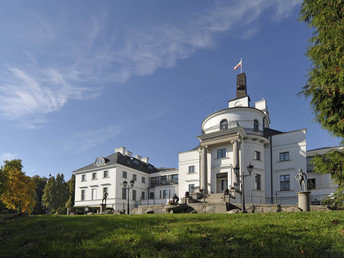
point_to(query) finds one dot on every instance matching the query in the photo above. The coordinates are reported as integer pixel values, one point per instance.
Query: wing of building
(107, 174)
(236, 143)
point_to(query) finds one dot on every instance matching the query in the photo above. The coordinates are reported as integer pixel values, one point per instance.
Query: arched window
(255, 125)
(224, 124)
(99, 161)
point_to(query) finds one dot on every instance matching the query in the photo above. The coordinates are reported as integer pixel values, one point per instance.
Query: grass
(166, 235)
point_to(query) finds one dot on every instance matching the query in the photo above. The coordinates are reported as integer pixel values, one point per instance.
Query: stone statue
(175, 198)
(104, 198)
(301, 177)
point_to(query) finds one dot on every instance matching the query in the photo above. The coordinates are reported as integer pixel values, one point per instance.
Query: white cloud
(7, 156)
(60, 59)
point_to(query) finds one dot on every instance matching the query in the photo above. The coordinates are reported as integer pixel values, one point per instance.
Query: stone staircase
(216, 198)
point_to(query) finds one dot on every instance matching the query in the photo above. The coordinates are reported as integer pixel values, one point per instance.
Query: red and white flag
(238, 65)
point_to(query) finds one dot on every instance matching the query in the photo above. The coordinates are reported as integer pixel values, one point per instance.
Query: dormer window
(224, 124)
(99, 161)
(255, 125)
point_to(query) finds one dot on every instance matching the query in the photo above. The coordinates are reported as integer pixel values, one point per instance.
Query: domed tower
(239, 151)
(233, 139)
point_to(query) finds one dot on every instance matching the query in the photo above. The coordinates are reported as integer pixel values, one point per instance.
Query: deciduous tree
(20, 191)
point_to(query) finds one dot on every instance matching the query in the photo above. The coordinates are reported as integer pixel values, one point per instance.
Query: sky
(80, 78)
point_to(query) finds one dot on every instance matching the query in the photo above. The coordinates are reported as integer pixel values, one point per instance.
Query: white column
(204, 177)
(235, 162)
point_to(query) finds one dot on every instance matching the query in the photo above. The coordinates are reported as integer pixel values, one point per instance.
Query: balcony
(156, 181)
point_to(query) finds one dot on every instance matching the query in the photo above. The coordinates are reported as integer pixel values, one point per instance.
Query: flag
(238, 65)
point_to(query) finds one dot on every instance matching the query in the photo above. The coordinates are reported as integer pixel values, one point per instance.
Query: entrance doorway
(221, 182)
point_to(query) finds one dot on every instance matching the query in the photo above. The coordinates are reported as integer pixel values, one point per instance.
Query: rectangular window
(257, 155)
(143, 180)
(284, 156)
(134, 195)
(134, 177)
(311, 184)
(82, 195)
(106, 174)
(142, 195)
(221, 153)
(94, 194)
(258, 182)
(310, 166)
(124, 174)
(151, 195)
(160, 194)
(83, 177)
(124, 193)
(94, 176)
(191, 169)
(285, 183)
(191, 188)
(164, 194)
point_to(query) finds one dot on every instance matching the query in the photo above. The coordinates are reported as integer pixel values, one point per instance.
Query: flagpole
(241, 65)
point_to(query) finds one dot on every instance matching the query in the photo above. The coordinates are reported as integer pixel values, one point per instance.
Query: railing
(248, 125)
(162, 182)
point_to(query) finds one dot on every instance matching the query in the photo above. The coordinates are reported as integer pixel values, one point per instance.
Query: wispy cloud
(64, 64)
(6, 156)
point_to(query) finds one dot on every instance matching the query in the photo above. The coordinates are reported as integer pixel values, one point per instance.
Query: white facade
(232, 140)
(108, 174)
(239, 136)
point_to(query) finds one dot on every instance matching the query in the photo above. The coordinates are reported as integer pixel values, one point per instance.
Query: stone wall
(225, 208)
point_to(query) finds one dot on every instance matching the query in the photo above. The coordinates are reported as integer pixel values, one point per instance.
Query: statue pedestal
(102, 208)
(304, 201)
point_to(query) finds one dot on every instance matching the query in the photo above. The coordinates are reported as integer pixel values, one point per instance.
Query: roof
(118, 158)
(270, 132)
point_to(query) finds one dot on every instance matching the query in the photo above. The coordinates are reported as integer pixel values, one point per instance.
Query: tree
(71, 187)
(325, 85)
(332, 163)
(15, 163)
(55, 194)
(40, 184)
(20, 191)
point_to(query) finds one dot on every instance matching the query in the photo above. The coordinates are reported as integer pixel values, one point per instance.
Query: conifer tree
(325, 85)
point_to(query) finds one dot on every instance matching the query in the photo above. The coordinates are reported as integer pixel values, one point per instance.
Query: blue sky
(79, 78)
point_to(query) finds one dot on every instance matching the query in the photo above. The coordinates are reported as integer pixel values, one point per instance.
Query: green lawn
(274, 234)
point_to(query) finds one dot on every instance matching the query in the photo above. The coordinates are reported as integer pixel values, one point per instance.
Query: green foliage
(40, 184)
(336, 201)
(9, 164)
(325, 85)
(55, 193)
(71, 187)
(311, 234)
(14, 163)
(332, 163)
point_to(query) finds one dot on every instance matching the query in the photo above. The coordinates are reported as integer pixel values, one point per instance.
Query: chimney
(241, 89)
(145, 159)
(138, 157)
(128, 153)
(121, 150)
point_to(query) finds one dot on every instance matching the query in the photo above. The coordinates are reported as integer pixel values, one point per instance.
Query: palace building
(238, 151)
